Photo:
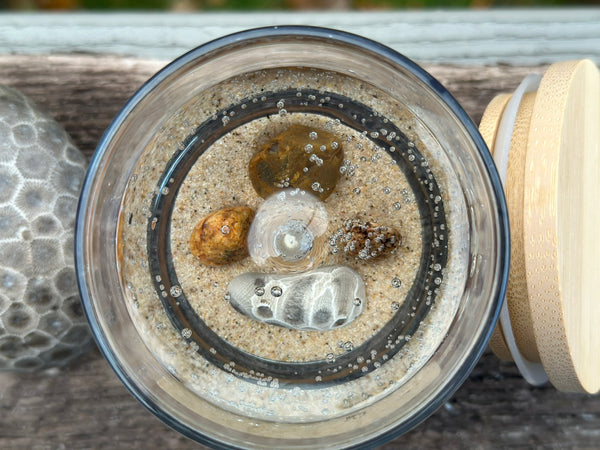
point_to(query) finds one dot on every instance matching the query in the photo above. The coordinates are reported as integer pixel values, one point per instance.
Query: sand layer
(377, 191)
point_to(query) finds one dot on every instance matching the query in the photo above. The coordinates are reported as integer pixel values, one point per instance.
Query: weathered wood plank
(517, 36)
(86, 406)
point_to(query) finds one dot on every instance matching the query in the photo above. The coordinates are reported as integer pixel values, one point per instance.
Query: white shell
(288, 232)
(322, 299)
(41, 319)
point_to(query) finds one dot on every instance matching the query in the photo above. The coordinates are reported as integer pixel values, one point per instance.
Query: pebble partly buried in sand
(221, 237)
(299, 157)
(322, 299)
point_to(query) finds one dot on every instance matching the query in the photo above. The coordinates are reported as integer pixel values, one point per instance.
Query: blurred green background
(247, 5)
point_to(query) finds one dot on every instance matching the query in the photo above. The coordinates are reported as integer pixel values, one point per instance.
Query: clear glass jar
(413, 158)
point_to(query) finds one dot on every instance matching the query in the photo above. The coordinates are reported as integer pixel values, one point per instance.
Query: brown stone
(300, 157)
(221, 237)
(366, 240)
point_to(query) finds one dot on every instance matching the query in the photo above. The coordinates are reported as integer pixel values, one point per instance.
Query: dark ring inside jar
(390, 338)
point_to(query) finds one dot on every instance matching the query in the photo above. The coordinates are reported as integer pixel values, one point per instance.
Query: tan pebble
(300, 157)
(221, 237)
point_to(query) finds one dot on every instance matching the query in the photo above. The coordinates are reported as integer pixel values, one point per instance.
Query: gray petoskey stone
(41, 320)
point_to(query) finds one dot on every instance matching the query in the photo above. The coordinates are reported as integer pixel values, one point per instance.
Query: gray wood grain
(517, 36)
(86, 406)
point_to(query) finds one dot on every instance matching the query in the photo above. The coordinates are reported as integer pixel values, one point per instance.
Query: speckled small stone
(221, 237)
(366, 240)
(299, 157)
(41, 319)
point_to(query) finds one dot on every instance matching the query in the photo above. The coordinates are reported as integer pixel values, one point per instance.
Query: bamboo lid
(553, 170)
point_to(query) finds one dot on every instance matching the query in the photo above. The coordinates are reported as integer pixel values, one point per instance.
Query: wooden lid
(553, 171)
(561, 224)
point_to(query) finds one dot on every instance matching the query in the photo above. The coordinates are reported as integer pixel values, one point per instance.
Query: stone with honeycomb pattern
(41, 320)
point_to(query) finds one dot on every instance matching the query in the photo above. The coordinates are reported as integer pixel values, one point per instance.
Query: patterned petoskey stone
(41, 320)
